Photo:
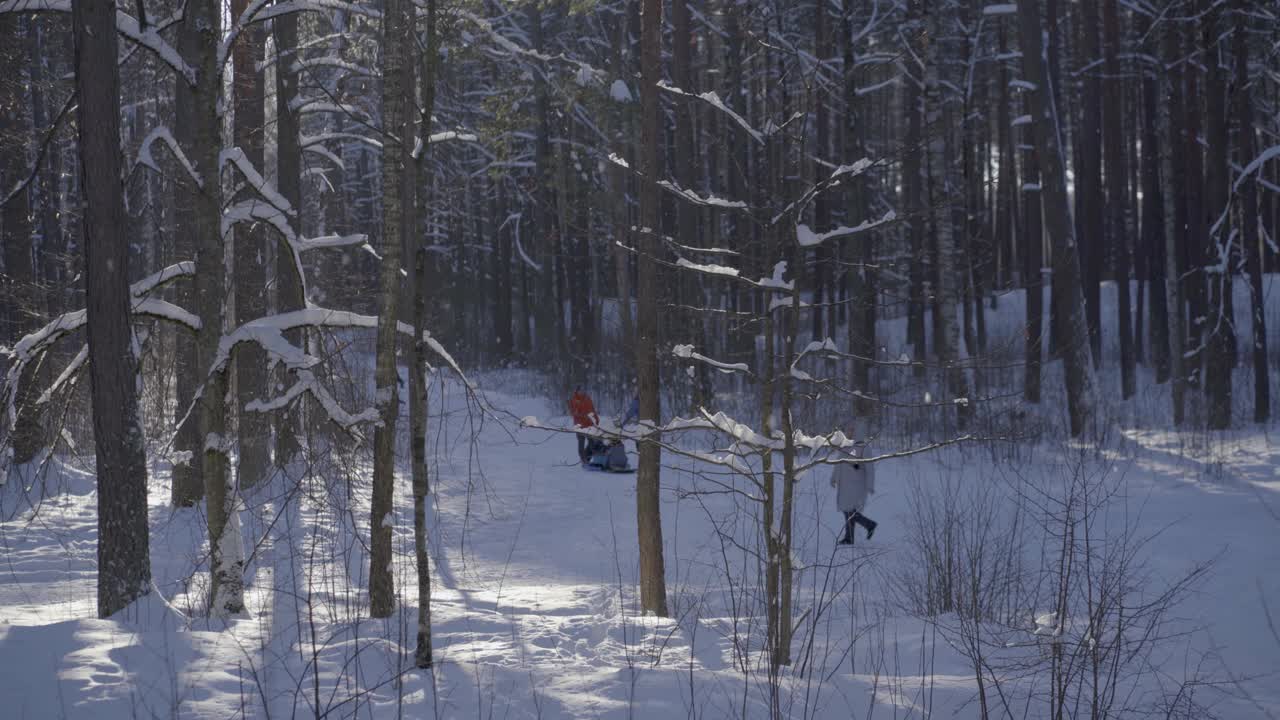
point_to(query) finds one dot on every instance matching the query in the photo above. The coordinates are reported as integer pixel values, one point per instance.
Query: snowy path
(534, 607)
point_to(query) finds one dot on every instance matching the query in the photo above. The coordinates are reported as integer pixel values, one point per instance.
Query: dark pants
(582, 447)
(856, 518)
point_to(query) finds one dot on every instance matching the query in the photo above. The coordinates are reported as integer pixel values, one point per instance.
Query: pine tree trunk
(20, 297)
(1067, 294)
(1250, 240)
(948, 219)
(1221, 338)
(187, 487)
(226, 559)
(397, 184)
(912, 190)
(289, 183)
(249, 254)
(1117, 193)
(1032, 269)
(418, 405)
(653, 590)
(1153, 230)
(1090, 230)
(862, 309)
(124, 560)
(1175, 213)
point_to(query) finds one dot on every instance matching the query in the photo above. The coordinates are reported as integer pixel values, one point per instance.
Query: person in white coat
(855, 482)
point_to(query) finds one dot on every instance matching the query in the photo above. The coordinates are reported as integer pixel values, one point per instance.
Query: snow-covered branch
(126, 25)
(808, 238)
(712, 99)
(147, 159)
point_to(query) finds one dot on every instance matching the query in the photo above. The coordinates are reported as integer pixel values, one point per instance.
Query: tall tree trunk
(226, 558)
(124, 559)
(1153, 230)
(1250, 239)
(397, 186)
(1067, 294)
(948, 219)
(1117, 193)
(1090, 231)
(913, 190)
(653, 588)
(548, 314)
(20, 296)
(187, 486)
(289, 183)
(862, 309)
(1175, 224)
(422, 656)
(249, 253)
(1195, 236)
(1033, 265)
(1220, 326)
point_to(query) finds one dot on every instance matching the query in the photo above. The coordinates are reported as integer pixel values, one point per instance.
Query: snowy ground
(535, 607)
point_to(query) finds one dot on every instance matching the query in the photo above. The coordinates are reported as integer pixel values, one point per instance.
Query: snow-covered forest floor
(534, 602)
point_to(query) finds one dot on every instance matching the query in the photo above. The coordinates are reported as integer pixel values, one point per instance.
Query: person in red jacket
(584, 416)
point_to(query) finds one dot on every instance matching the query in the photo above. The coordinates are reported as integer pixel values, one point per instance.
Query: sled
(599, 464)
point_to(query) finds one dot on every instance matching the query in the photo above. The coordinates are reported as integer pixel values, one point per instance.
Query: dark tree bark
(1033, 264)
(124, 559)
(1153, 230)
(1067, 295)
(1221, 257)
(249, 253)
(422, 281)
(187, 487)
(653, 589)
(1174, 174)
(1117, 193)
(862, 308)
(20, 296)
(1251, 242)
(289, 183)
(912, 190)
(1088, 180)
(548, 313)
(397, 187)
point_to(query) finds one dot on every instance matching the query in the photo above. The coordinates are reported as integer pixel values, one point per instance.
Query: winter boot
(847, 537)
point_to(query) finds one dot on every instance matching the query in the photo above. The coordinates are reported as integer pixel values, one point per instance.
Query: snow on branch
(1002, 9)
(330, 241)
(686, 352)
(721, 270)
(586, 74)
(237, 157)
(284, 7)
(741, 432)
(1255, 165)
(307, 141)
(65, 376)
(711, 98)
(308, 383)
(808, 238)
(32, 345)
(776, 281)
(147, 159)
(126, 25)
(695, 198)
